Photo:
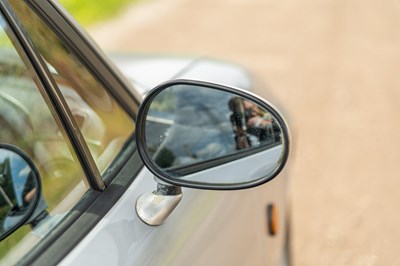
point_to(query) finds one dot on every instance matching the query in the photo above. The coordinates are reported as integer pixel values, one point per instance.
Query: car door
(64, 129)
(207, 227)
(29, 122)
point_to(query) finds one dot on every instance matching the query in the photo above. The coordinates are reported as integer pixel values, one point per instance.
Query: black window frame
(80, 43)
(86, 51)
(97, 201)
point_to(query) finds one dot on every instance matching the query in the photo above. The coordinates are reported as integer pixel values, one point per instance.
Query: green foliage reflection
(89, 12)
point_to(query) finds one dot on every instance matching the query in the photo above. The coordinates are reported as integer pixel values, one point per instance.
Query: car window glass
(28, 121)
(104, 124)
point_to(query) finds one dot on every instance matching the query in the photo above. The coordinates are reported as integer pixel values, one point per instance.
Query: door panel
(206, 228)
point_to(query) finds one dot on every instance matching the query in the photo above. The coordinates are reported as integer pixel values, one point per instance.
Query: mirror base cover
(154, 207)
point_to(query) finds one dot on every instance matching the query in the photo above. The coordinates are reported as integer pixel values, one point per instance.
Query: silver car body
(207, 227)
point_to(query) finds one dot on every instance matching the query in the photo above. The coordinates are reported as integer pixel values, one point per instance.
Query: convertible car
(132, 159)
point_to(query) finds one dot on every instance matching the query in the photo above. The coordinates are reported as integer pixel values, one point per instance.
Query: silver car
(132, 160)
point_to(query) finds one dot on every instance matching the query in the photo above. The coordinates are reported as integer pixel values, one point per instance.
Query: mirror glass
(19, 191)
(191, 128)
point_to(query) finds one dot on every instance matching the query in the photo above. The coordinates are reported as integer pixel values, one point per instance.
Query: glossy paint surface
(146, 71)
(207, 227)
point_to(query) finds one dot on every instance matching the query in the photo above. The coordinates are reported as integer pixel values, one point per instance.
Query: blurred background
(333, 66)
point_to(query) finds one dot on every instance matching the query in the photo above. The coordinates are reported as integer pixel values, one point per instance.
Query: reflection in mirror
(19, 191)
(190, 128)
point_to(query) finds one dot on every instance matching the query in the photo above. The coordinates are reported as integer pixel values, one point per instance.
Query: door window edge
(50, 89)
(93, 58)
(84, 217)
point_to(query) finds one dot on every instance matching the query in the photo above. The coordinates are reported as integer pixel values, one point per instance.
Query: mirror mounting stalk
(154, 207)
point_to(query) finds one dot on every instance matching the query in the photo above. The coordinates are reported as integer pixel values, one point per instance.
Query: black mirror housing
(20, 189)
(210, 136)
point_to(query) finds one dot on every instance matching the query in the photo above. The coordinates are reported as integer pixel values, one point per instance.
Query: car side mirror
(203, 135)
(20, 189)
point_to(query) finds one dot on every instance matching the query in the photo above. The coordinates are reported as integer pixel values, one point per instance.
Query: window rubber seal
(83, 217)
(50, 89)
